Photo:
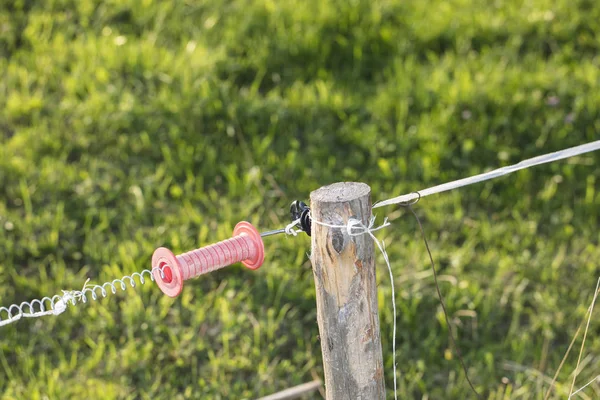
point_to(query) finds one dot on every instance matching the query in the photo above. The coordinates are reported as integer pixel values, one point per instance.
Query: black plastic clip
(299, 210)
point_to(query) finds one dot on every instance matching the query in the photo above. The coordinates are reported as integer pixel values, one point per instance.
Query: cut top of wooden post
(343, 192)
(344, 271)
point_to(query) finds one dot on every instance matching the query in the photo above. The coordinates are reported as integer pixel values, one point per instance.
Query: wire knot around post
(355, 227)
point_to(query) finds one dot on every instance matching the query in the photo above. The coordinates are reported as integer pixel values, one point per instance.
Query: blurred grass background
(126, 125)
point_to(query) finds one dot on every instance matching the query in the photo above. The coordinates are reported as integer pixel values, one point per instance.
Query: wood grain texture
(344, 271)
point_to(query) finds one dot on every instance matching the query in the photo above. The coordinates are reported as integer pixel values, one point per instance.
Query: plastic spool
(246, 246)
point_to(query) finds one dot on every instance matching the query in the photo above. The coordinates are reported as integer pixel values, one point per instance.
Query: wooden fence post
(344, 270)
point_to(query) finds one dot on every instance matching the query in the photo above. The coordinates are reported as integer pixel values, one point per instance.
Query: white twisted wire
(57, 304)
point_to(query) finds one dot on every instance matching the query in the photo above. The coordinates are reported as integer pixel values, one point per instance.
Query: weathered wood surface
(344, 271)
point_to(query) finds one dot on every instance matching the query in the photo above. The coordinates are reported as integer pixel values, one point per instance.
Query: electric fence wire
(531, 162)
(57, 304)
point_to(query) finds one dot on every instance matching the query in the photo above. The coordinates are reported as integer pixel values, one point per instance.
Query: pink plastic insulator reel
(246, 246)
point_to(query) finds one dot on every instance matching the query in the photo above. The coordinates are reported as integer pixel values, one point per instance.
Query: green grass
(129, 125)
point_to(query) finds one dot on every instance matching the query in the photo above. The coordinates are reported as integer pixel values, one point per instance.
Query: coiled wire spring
(57, 304)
